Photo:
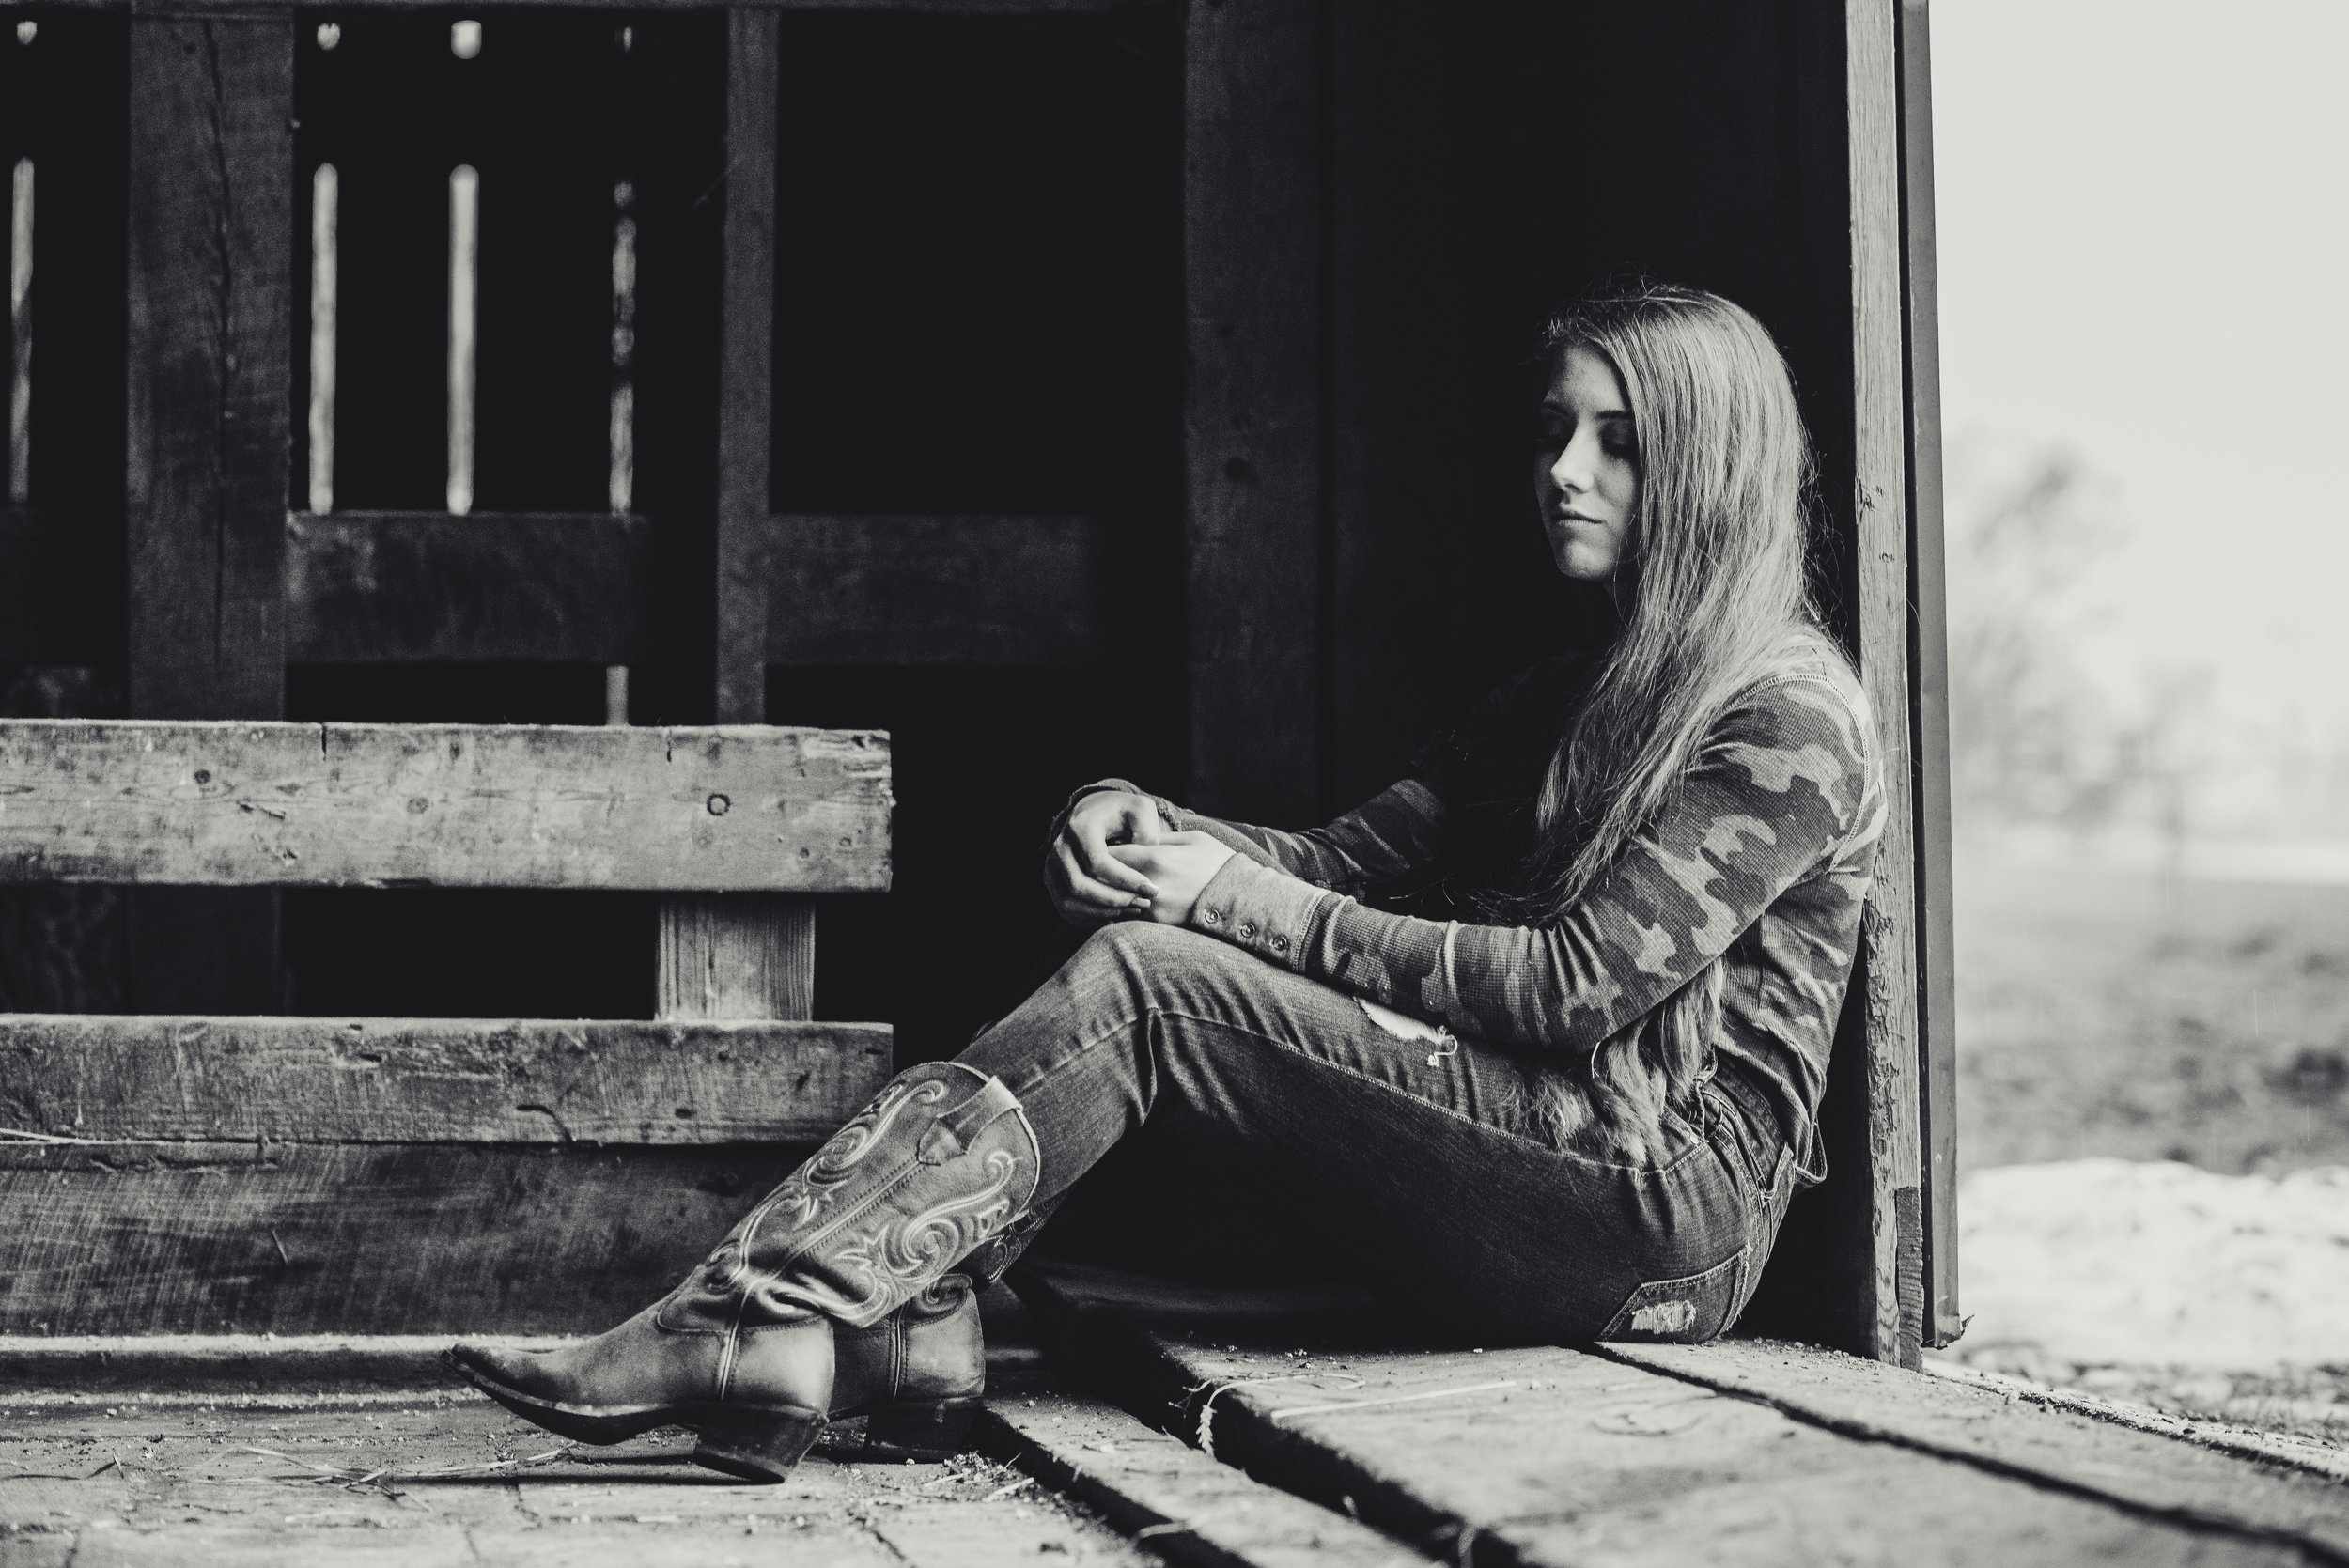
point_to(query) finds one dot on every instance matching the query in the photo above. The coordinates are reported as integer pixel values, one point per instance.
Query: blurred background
(2141, 226)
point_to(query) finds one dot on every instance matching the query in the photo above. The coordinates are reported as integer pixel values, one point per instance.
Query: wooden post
(746, 367)
(1252, 411)
(1929, 706)
(742, 956)
(209, 311)
(1880, 511)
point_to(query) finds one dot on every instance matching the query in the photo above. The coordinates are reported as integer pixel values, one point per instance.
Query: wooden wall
(1068, 389)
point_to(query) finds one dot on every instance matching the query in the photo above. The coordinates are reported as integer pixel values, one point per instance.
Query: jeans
(1420, 1156)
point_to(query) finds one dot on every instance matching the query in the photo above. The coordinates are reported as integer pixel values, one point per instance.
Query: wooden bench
(202, 1175)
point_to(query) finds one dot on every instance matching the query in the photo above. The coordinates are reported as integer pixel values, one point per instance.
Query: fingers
(1094, 861)
(1077, 889)
(1142, 825)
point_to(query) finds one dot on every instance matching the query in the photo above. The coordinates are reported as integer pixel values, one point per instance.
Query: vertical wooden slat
(1880, 440)
(1929, 707)
(746, 367)
(1251, 248)
(736, 955)
(210, 320)
(744, 955)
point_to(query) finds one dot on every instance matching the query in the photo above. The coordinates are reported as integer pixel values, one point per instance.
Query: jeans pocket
(1687, 1311)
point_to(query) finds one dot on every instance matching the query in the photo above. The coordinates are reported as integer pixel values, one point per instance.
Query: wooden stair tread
(1583, 1456)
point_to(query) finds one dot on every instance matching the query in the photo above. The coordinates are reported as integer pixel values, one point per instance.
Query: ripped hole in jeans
(1404, 1027)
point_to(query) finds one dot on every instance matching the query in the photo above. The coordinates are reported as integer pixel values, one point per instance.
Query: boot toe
(509, 1367)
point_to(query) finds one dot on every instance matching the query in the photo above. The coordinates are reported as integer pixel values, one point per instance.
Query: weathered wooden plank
(736, 955)
(1929, 694)
(1880, 441)
(372, 587)
(1195, 1510)
(1544, 1455)
(307, 1238)
(1252, 407)
(208, 424)
(212, 206)
(997, 592)
(746, 368)
(2158, 1475)
(444, 805)
(434, 1081)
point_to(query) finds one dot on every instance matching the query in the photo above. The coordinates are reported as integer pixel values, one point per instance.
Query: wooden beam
(1880, 441)
(212, 217)
(434, 1081)
(309, 1239)
(753, 955)
(1251, 412)
(997, 592)
(444, 805)
(736, 955)
(746, 367)
(376, 587)
(211, 172)
(1929, 692)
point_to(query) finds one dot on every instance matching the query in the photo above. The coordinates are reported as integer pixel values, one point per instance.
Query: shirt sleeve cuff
(1268, 912)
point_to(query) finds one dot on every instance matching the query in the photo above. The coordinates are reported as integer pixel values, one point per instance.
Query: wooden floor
(1300, 1426)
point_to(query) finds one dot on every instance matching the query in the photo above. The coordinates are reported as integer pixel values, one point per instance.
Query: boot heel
(923, 1429)
(756, 1445)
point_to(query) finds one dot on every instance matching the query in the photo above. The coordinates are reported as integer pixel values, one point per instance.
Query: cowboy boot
(918, 1374)
(741, 1351)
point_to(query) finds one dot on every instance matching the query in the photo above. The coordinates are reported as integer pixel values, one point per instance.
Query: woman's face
(1586, 466)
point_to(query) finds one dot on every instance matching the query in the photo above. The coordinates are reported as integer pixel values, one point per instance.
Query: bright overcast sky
(2144, 220)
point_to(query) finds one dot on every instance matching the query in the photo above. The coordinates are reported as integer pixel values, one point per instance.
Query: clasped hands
(1116, 859)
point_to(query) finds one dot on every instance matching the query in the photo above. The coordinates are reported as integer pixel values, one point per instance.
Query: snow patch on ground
(2111, 1260)
(2158, 1281)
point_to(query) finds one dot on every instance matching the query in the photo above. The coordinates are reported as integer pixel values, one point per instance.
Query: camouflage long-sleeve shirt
(1765, 853)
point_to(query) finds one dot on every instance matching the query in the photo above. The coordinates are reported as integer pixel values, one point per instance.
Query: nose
(1571, 471)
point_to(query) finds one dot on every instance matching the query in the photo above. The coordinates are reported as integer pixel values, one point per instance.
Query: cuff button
(1207, 917)
(1246, 927)
(1280, 945)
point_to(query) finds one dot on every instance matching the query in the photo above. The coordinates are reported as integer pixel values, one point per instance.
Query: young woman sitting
(1568, 1099)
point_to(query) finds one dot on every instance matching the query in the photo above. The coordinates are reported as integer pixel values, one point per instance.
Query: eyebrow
(1556, 407)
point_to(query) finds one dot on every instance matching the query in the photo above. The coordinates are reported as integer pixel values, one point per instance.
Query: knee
(1143, 956)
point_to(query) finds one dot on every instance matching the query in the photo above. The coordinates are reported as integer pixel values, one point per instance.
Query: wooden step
(1552, 1455)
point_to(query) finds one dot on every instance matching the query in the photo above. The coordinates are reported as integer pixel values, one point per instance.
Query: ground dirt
(445, 1480)
(2106, 1012)
(2199, 1031)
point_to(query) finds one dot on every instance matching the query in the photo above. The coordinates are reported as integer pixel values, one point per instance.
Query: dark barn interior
(1068, 390)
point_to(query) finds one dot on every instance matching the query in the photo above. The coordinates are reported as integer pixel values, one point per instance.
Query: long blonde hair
(1715, 599)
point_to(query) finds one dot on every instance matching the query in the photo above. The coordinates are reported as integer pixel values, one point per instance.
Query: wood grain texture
(375, 587)
(1197, 1511)
(186, 1238)
(434, 1081)
(746, 368)
(348, 805)
(995, 592)
(207, 418)
(1251, 410)
(1880, 432)
(210, 312)
(1929, 694)
(1554, 1456)
(2185, 1481)
(738, 955)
